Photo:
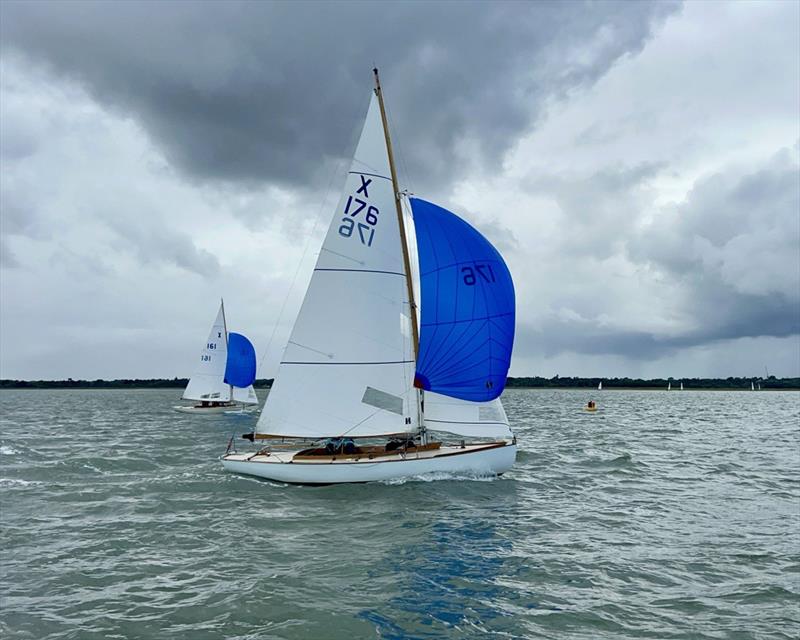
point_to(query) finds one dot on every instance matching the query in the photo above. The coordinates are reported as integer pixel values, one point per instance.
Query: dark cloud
(734, 246)
(268, 91)
(731, 250)
(735, 316)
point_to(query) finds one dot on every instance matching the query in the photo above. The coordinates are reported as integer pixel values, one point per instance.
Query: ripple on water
(661, 516)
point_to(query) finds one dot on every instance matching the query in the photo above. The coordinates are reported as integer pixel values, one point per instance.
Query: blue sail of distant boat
(467, 320)
(240, 369)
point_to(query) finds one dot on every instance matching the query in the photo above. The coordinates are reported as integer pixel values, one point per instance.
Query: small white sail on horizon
(600, 386)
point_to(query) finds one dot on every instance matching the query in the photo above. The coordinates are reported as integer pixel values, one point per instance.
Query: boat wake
(16, 482)
(442, 475)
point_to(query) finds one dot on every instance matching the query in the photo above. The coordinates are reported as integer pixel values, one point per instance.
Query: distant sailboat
(225, 372)
(681, 386)
(362, 384)
(759, 386)
(669, 386)
(752, 387)
(600, 386)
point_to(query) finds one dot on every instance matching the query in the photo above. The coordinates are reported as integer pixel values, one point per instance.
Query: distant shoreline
(609, 384)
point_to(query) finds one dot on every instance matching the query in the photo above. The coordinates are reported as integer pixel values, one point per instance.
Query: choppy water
(662, 516)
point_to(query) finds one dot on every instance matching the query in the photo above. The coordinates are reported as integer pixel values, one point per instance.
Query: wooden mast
(225, 329)
(400, 219)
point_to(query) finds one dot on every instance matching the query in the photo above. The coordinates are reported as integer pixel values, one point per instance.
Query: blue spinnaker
(240, 369)
(467, 320)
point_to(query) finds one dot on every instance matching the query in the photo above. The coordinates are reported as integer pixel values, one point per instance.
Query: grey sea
(663, 515)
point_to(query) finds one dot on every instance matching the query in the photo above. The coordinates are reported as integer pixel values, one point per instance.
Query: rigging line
(302, 260)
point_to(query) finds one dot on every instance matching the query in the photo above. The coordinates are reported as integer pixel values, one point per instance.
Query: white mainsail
(600, 386)
(348, 368)
(207, 382)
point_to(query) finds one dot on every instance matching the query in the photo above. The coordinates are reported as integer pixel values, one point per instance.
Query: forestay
(467, 320)
(348, 367)
(240, 368)
(207, 381)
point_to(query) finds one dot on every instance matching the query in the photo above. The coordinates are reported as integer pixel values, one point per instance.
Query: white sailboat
(752, 387)
(363, 382)
(681, 385)
(600, 386)
(224, 374)
(669, 386)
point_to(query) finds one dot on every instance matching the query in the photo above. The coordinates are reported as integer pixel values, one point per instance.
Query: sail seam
(505, 424)
(374, 175)
(476, 318)
(348, 363)
(391, 273)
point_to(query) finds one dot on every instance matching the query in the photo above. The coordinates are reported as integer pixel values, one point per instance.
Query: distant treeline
(557, 382)
(127, 383)
(535, 382)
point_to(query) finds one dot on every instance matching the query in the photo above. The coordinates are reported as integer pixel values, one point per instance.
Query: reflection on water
(448, 574)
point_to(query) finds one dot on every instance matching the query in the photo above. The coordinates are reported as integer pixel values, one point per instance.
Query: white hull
(474, 459)
(203, 411)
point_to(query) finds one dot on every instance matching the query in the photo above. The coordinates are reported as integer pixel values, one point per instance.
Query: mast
(400, 218)
(225, 329)
(224, 322)
(403, 241)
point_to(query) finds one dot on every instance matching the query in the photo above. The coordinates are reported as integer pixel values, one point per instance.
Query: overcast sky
(637, 164)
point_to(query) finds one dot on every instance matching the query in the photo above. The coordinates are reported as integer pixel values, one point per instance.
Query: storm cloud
(267, 91)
